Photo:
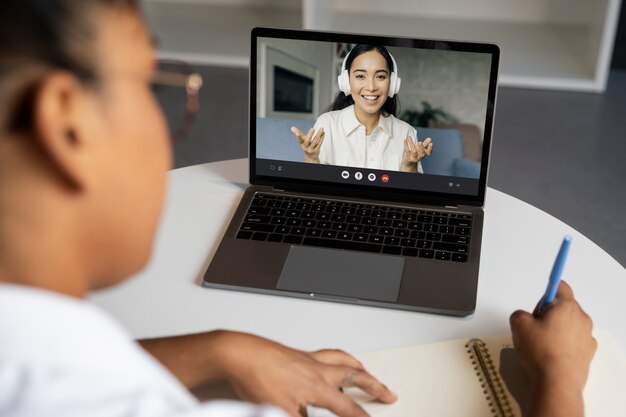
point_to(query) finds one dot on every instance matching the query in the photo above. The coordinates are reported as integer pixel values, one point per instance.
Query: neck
(370, 121)
(38, 247)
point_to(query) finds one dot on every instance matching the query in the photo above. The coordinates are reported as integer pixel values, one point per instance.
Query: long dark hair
(392, 104)
(41, 36)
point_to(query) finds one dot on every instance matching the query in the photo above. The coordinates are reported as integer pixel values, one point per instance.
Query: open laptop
(350, 229)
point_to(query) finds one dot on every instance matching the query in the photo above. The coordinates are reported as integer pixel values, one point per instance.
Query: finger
(315, 145)
(309, 134)
(429, 149)
(412, 146)
(406, 145)
(427, 142)
(339, 403)
(564, 292)
(345, 376)
(298, 134)
(318, 136)
(337, 357)
(519, 320)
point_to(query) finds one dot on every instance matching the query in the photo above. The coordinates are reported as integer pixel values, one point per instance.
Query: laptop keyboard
(364, 227)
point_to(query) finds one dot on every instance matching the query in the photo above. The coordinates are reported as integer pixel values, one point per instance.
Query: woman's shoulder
(401, 125)
(329, 117)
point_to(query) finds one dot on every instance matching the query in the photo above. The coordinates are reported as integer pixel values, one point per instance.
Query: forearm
(194, 359)
(555, 398)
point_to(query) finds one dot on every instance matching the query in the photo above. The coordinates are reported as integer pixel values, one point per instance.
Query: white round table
(519, 246)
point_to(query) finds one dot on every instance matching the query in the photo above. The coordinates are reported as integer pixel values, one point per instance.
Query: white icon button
(345, 175)
(358, 176)
(371, 176)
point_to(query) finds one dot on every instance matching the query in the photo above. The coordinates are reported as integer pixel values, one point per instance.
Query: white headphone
(344, 78)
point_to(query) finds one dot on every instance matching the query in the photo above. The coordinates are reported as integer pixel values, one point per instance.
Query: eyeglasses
(177, 88)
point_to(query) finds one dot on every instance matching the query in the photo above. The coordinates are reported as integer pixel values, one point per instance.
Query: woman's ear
(56, 127)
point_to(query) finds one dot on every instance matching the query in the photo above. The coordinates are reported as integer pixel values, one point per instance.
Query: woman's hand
(555, 349)
(413, 153)
(309, 144)
(263, 371)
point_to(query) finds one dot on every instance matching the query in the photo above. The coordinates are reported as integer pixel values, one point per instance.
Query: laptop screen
(367, 114)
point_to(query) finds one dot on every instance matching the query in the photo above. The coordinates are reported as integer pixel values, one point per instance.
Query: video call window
(430, 106)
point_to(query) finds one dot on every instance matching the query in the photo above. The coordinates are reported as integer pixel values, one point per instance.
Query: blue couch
(275, 141)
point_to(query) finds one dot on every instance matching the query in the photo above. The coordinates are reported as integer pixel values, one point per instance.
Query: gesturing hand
(309, 144)
(263, 371)
(413, 153)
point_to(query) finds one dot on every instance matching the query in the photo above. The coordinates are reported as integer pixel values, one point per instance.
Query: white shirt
(346, 143)
(63, 357)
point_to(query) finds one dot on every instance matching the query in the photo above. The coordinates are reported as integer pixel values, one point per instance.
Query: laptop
(357, 217)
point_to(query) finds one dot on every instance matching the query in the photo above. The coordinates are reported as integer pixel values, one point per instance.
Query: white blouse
(346, 143)
(63, 357)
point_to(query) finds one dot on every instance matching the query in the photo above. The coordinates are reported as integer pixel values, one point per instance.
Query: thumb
(519, 320)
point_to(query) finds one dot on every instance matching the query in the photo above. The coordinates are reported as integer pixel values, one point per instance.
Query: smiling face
(369, 82)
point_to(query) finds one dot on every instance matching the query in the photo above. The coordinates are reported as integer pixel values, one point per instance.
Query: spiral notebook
(479, 377)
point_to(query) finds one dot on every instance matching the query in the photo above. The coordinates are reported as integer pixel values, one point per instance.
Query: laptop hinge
(451, 207)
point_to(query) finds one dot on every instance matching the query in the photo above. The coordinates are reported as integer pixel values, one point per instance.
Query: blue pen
(555, 275)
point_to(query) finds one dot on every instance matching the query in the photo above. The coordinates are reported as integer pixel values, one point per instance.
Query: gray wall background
(317, 54)
(457, 82)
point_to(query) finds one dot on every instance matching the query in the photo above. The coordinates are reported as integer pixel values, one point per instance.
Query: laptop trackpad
(342, 273)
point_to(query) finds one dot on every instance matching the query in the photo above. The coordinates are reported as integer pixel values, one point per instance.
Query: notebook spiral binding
(490, 381)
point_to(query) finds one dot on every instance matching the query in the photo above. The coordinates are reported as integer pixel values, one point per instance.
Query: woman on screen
(361, 129)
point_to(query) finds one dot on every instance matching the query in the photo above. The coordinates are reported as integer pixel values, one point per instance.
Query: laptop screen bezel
(369, 191)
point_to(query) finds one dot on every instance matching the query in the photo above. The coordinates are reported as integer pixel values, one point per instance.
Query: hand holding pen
(555, 346)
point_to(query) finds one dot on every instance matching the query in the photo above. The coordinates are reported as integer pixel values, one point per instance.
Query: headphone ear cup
(344, 82)
(394, 84)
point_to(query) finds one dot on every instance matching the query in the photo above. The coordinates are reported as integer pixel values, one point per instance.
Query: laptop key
(251, 218)
(464, 240)
(297, 231)
(460, 222)
(259, 236)
(257, 227)
(423, 244)
(459, 257)
(376, 239)
(244, 235)
(443, 256)
(402, 233)
(274, 237)
(372, 230)
(430, 228)
(330, 234)
(314, 232)
(293, 239)
(409, 252)
(462, 231)
(433, 236)
(344, 235)
(283, 230)
(450, 247)
(259, 210)
(392, 250)
(360, 237)
(418, 235)
(342, 244)
(426, 253)
(390, 240)
(407, 243)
